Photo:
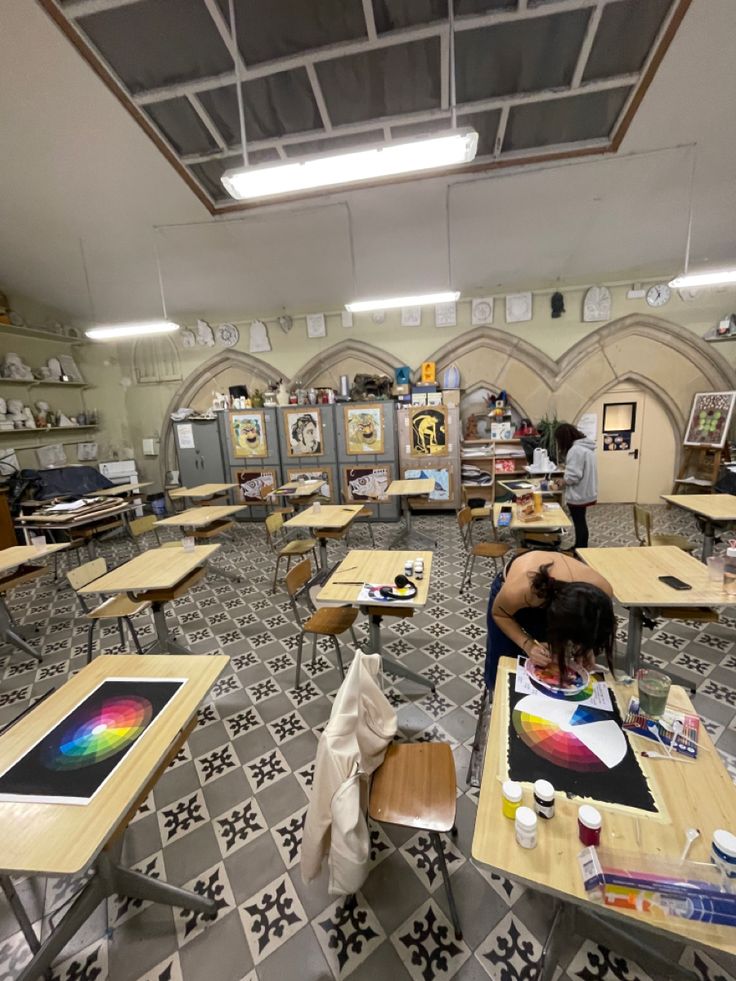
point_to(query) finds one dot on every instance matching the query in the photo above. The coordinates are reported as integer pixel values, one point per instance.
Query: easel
(699, 468)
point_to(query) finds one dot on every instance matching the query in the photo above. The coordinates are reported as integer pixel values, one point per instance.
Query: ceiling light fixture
(430, 152)
(423, 299)
(109, 332)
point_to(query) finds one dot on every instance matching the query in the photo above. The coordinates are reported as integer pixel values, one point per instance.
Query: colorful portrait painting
(710, 419)
(248, 433)
(363, 429)
(365, 483)
(428, 430)
(255, 485)
(303, 432)
(324, 475)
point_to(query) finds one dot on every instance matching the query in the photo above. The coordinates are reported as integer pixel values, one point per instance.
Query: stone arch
(472, 393)
(348, 357)
(155, 360)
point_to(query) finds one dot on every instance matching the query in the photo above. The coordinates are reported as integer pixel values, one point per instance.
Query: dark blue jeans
(533, 619)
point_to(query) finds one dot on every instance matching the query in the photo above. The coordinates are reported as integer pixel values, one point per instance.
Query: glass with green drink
(654, 690)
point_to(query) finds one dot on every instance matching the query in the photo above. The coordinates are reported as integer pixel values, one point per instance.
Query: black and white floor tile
(226, 818)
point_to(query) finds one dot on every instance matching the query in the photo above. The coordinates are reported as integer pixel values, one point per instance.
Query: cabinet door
(200, 453)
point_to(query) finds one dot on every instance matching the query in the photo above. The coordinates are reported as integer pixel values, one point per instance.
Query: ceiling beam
(207, 121)
(501, 131)
(370, 20)
(223, 29)
(319, 98)
(470, 22)
(587, 45)
(445, 69)
(80, 8)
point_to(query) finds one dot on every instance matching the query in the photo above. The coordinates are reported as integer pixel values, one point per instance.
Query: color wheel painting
(578, 686)
(79, 754)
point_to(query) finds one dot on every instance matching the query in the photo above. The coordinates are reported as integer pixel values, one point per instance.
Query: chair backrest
(274, 524)
(86, 573)
(141, 526)
(297, 576)
(464, 517)
(642, 525)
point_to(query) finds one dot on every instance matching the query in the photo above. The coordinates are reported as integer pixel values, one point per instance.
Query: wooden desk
(158, 576)
(201, 491)
(417, 487)
(551, 518)
(410, 488)
(298, 488)
(715, 509)
(633, 574)
(694, 795)
(63, 839)
(527, 487)
(201, 517)
(83, 526)
(379, 567)
(12, 575)
(330, 517)
(127, 490)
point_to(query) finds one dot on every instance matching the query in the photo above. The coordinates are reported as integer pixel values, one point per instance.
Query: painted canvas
(617, 441)
(710, 419)
(324, 475)
(72, 761)
(428, 430)
(303, 431)
(248, 433)
(363, 429)
(365, 483)
(441, 480)
(255, 485)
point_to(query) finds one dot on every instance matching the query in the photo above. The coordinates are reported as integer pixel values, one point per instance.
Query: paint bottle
(525, 825)
(723, 852)
(589, 825)
(544, 798)
(408, 568)
(537, 495)
(419, 568)
(511, 798)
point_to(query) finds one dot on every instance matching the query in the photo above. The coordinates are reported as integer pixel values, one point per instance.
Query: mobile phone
(504, 516)
(674, 582)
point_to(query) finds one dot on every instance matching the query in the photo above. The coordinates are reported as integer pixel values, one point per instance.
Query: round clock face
(658, 295)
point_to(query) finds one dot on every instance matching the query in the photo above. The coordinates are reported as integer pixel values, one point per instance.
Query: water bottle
(729, 569)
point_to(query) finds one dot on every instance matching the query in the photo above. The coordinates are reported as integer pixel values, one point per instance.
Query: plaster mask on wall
(285, 323)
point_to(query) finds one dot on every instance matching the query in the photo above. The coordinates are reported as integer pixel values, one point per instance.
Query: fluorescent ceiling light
(111, 332)
(348, 167)
(692, 280)
(362, 306)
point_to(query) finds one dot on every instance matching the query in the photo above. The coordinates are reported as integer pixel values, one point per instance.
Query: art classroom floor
(226, 818)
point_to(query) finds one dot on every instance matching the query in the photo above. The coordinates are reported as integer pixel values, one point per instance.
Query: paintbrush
(348, 582)
(666, 756)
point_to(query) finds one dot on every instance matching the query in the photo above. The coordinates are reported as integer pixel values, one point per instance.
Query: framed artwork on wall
(303, 430)
(248, 433)
(365, 483)
(324, 475)
(710, 419)
(363, 429)
(442, 481)
(428, 430)
(255, 485)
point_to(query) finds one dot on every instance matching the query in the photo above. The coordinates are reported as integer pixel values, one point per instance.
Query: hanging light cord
(160, 275)
(690, 216)
(451, 19)
(86, 280)
(238, 81)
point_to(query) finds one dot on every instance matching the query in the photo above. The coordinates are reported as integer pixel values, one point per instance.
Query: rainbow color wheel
(114, 725)
(578, 686)
(573, 737)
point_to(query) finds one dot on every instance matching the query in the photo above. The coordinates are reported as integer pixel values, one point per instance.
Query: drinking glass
(654, 689)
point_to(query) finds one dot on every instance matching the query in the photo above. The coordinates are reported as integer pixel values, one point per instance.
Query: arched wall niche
(346, 358)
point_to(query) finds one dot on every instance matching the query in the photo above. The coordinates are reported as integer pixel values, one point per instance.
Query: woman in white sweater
(580, 480)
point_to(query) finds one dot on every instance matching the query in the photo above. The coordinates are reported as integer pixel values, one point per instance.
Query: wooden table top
(122, 489)
(157, 568)
(717, 507)
(513, 487)
(299, 488)
(202, 516)
(632, 573)
(201, 490)
(552, 517)
(61, 839)
(65, 520)
(11, 558)
(330, 516)
(376, 566)
(410, 488)
(697, 795)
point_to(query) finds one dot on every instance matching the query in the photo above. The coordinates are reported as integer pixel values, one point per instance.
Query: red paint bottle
(589, 825)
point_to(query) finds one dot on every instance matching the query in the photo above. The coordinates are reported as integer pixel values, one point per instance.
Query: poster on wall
(248, 433)
(324, 475)
(303, 432)
(363, 429)
(365, 483)
(70, 763)
(614, 441)
(428, 431)
(255, 485)
(441, 478)
(710, 419)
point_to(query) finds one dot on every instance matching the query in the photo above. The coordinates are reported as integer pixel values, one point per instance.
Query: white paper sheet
(185, 436)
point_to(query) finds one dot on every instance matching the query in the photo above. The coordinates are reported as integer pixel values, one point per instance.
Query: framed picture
(710, 419)
(441, 480)
(363, 428)
(303, 431)
(428, 430)
(248, 433)
(323, 475)
(362, 483)
(255, 485)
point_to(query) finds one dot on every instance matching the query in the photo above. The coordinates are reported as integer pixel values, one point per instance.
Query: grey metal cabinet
(364, 474)
(245, 432)
(444, 468)
(199, 450)
(308, 447)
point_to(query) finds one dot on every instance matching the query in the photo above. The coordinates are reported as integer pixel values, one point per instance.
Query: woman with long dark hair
(580, 480)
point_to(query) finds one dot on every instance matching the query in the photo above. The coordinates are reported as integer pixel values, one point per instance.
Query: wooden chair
(283, 548)
(144, 526)
(327, 621)
(644, 535)
(484, 512)
(367, 514)
(415, 788)
(119, 607)
(486, 550)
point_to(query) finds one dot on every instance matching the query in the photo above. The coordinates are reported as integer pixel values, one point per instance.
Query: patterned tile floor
(226, 819)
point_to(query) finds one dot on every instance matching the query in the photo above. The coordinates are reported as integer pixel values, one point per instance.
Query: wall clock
(658, 295)
(597, 304)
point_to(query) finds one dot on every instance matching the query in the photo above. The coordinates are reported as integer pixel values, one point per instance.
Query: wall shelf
(43, 383)
(9, 438)
(43, 335)
(13, 433)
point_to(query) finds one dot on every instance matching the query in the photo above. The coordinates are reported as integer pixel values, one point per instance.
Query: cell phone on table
(504, 516)
(674, 582)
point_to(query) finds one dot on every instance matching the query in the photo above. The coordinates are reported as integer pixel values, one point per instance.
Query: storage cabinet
(200, 452)
(442, 466)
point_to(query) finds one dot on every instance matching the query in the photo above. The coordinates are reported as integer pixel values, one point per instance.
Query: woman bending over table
(549, 607)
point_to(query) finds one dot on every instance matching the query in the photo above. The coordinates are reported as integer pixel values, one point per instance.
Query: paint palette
(575, 737)
(106, 730)
(577, 685)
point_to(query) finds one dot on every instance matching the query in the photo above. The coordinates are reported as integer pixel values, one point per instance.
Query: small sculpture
(29, 421)
(14, 367)
(15, 413)
(219, 401)
(42, 414)
(282, 394)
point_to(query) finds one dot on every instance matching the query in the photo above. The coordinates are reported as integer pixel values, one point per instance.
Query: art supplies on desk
(581, 686)
(677, 730)
(371, 593)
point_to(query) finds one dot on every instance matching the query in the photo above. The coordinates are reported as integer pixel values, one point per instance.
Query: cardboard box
(418, 398)
(451, 397)
(434, 398)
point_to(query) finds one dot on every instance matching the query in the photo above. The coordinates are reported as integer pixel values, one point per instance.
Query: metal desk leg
(633, 642)
(389, 663)
(407, 537)
(407, 515)
(6, 884)
(323, 553)
(548, 960)
(709, 537)
(164, 641)
(11, 636)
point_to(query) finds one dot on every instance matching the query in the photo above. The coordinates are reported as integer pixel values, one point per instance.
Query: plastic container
(317, 507)
(716, 565)
(537, 495)
(525, 825)
(589, 825)
(544, 798)
(729, 571)
(723, 852)
(419, 568)
(408, 568)
(511, 791)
